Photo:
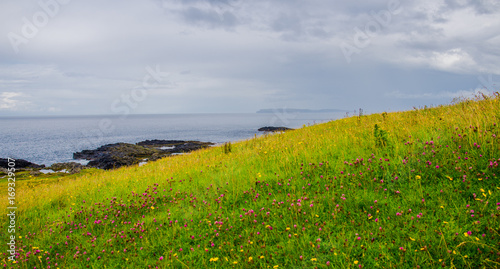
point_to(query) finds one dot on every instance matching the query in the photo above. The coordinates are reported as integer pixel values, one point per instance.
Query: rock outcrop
(124, 154)
(71, 167)
(20, 164)
(274, 129)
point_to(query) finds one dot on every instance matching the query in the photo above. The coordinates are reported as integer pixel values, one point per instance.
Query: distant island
(297, 110)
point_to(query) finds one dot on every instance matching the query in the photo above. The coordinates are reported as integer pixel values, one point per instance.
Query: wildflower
(276, 266)
(355, 262)
(250, 259)
(161, 258)
(313, 259)
(214, 259)
(418, 177)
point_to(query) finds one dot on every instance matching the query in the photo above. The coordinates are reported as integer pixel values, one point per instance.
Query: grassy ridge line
(356, 134)
(276, 158)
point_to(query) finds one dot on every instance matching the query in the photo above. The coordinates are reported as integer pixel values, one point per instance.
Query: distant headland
(299, 110)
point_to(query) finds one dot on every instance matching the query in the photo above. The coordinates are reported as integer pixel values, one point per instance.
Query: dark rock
(108, 161)
(115, 155)
(20, 164)
(160, 143)
(121, 149)
(274, 129)
(189, 146)
(123, 154)
(75, 170)
(176, 146)
(70, 167)
(154, 157)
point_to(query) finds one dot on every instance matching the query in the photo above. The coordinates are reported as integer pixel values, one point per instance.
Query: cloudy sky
(62, 57)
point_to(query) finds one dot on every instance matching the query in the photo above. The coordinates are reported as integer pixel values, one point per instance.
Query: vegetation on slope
(416, 189)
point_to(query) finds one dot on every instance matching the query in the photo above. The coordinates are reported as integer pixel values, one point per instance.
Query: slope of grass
(416, 189)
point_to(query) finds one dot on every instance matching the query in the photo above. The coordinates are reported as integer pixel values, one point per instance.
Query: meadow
(414, 189)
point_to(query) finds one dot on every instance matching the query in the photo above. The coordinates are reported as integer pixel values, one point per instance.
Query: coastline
(116, 155)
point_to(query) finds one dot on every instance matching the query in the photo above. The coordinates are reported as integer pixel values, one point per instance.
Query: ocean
(48, 140)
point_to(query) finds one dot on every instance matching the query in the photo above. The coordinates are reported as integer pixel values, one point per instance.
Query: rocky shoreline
(274, 129)
(123, 154)
(113, 156)
(116, 155)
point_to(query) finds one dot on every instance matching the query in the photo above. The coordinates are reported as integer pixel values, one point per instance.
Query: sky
(74, 57)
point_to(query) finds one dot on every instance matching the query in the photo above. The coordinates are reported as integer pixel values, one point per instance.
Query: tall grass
(415, 189)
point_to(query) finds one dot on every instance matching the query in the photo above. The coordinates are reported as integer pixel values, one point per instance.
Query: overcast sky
(61, 57)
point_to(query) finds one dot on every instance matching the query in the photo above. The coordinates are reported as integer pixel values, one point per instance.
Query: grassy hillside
(416, 189)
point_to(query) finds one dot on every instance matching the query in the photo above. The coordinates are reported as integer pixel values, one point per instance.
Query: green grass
(408, 190)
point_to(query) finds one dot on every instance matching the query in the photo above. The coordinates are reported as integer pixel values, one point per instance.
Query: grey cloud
(204, 13)
(209, 17)
(480, 6)
(240, 56)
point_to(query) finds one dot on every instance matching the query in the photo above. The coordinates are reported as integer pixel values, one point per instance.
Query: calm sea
(47, 140)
